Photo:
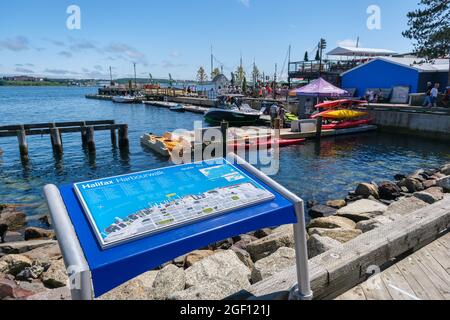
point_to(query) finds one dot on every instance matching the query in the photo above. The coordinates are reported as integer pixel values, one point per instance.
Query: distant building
(389, 72)
(220, 82)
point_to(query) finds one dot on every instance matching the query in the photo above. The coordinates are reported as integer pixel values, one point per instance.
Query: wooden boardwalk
(424, 275)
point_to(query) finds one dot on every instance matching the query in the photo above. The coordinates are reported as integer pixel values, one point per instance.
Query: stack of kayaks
(266, 143)
(337, 114)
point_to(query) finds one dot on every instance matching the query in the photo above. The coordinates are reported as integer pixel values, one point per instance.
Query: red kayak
(267, 143)
(346, 124)
(337, 103)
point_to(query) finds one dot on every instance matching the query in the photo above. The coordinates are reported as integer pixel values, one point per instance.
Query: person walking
(427, 101)
(273, 114)
(434, 94)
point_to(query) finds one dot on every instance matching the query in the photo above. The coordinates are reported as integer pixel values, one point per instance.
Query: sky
(175, 36)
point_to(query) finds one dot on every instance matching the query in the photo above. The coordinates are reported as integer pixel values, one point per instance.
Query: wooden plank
(397, 285)
(445, 241)
(440, 254)
(57, 124)
(356, 293)
(375, 289)
(418, 280)
(38, 132)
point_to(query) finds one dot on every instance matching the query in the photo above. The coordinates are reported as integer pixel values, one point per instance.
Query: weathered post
(55, 137)
(319, 128)
(123, 137)
(113, 137)
(84, 135)
(90, 139)
(23, 146)
(224, 129)
(277, 127)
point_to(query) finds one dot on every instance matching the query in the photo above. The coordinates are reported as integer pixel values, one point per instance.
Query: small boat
(124, 99)
(161, 145)
(232, 110)
(346, 124)
(266, 143)
(344, 114)
(339, 103)
(178, 108)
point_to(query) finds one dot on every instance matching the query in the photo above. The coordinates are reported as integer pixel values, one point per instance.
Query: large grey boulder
(44, 255)
(276, 262)
(196, 256)
(430, 195)
(14, 264)
(366, 190)
(56, 275)
(9, 289)
(170, 279)
(445, 169)
(138, 288)
(332, 222)
(320, 210)
(318, 245)
(213, 289)
(221, 265)
(413, 184)
(388, 190)
(405, 206)
(62, 293)
(24, 246)
(15, 220)
(281, 237)
(339, 234)
(444, 183)
(362, 210)
(244, 256)
(336, 204)
(32, 233)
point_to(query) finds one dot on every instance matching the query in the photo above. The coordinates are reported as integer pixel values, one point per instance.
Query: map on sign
(124, 208)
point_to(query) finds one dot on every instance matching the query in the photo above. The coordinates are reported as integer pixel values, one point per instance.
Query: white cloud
(18, 43)
(245, 3)
(348, 43)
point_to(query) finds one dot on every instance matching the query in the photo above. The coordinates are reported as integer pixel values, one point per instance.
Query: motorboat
(124, 99)
(163, 145)
(178, 108)
(232, 110)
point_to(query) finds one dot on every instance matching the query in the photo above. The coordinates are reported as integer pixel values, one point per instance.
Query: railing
(332, 66)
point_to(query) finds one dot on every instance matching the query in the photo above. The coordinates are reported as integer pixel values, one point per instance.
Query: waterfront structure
(389, 72)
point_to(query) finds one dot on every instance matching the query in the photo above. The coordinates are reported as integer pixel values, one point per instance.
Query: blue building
(389, 72)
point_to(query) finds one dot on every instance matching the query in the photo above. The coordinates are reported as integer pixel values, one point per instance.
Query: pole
(90, 139)
(275, 83)
(110, 75)
(135, 79)
(224, 129)
(23, 146)
(212, 62)
(319, 128)
(289, 64)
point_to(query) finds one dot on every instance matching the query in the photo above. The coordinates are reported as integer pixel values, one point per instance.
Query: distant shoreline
(40, 84)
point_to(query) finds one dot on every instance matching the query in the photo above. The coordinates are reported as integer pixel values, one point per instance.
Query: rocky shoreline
(31, 265)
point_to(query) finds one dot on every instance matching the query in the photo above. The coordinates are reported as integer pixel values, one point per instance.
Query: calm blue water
(312, 173)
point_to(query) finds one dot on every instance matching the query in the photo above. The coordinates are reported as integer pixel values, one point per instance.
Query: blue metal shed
(388, 72)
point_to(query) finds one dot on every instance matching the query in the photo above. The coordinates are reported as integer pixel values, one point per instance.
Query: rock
(276, 262)
(318, 245)
(366, 190)
(339, 234)
(168, 280)
(222, 265)
(14, 263)
(3, 230)
(38, 233)
(430, 195)
(10, 289)
(369, 225)
(320, 210)
(281, 237)
(30, 273)
(62, 293)
(15, 220)
(404, 189)
(429, 183)
(262, 233)
(13, 236)
(45, 220)
(44, 255)
(311, 203)
(213, 289)
(399, 177)
(444, 183)
(413, 185)
(139, 288)
(405, 206)
(34, 285)
(224, 244)
(336, 204)
(245, 240)
(24, 246)
(332, 222)
(244, 256)
(196, 256)
(362, 210)
(56, 275)
(388, 190)
(179, 262)
(445, 169)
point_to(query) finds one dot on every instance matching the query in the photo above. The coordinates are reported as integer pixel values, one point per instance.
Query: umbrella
(319, 88)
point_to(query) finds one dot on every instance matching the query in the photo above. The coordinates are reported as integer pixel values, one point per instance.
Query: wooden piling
(23, 146)
(113, 138)
(84, 135)
(277, 127)
(90, 139)
(319, 128)
(123, 137)
(55, 137)
(224, 129)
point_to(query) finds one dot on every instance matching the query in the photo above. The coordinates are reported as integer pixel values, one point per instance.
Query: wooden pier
(56, 129)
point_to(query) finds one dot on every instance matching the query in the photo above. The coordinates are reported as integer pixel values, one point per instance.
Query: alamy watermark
(374, 19)
(73, 21)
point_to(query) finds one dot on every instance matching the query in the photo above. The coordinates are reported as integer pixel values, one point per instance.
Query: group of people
(431, 95)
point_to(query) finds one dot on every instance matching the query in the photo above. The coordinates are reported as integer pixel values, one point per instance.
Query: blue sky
(176, 35)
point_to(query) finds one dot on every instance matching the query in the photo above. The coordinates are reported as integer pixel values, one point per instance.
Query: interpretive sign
(127, 207)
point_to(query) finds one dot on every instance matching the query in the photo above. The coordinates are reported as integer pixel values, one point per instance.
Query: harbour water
(314, 173)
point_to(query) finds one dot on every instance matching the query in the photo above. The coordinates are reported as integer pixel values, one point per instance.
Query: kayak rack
(56, 129)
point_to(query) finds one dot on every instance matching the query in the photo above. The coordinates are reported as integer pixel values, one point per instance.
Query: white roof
(437, 65)
(354, 51)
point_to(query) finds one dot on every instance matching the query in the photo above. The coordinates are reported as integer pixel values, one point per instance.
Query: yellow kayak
(341, 114)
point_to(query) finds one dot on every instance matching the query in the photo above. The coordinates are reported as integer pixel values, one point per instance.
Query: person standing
(273, 114)
(427, 102)
(434, 94)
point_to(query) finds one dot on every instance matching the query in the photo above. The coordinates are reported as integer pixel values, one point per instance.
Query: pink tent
(319, 88)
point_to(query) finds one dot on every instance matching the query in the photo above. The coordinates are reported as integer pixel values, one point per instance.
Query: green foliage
(317, 58)
(429, 28)
(244, 85)
(215, 73)
(201, 75)
(240, 75)
(255, 73)
(306, 58)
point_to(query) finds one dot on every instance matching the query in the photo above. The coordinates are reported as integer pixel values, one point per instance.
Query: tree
(255, 74)
(306, 56)
(244, 85)
(201, 75)
(216, 72)
(240, 75)
(317, 56)
(429, 28)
